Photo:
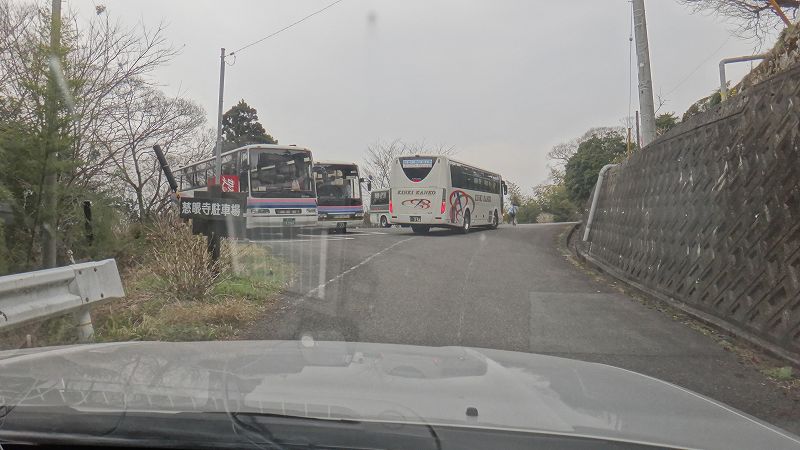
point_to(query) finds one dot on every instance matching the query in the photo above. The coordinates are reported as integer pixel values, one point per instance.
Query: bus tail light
(391, 209)
(444, 207)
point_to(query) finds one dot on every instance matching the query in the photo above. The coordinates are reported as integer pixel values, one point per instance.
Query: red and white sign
(230, 183)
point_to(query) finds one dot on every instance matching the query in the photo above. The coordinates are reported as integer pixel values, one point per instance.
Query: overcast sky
(502, 81)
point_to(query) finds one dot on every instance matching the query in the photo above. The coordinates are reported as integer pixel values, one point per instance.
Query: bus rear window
(380, 198)
(416, 169)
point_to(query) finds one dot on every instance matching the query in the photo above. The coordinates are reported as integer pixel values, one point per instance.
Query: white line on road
(321, 287)
(291, 241)
(463, 289)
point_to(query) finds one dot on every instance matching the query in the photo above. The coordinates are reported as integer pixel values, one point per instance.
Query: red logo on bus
(421, 203)
(459, 202)
(230, 183)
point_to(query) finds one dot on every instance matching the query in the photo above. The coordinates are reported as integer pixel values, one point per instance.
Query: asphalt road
(512, 288)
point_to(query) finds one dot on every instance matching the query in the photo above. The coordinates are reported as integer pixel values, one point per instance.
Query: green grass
(779, 373)
(232, 305)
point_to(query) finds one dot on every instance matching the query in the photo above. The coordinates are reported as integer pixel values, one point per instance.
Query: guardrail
(34, 296)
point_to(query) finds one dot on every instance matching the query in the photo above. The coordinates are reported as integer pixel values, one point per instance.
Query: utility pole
(218, 147)
(49, 204)
(645, 81)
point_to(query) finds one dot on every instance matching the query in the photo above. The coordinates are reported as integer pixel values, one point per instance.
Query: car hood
(381, 382)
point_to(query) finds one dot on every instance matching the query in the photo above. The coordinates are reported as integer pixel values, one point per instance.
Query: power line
(687, 77)
(284, 28)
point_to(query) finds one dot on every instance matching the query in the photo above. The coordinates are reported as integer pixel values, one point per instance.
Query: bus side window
(228, 165)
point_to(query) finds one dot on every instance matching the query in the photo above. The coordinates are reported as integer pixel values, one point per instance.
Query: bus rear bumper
(333, 222)
(428, 220)
(275, 221)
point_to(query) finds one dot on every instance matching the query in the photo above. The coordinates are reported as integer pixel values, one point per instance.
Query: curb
(695, 313)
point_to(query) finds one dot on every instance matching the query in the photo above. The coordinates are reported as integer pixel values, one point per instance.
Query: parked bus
(436, 191)
(277, 178)
(339, 202)
(379, 208)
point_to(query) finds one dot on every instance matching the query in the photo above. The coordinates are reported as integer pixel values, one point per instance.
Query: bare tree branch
(379, 157)
(754, 19)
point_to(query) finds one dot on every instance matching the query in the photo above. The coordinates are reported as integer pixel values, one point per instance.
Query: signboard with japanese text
(211, 208)
(215, 214)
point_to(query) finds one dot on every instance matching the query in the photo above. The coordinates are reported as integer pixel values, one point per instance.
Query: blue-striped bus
(277, 178)
(338, 186)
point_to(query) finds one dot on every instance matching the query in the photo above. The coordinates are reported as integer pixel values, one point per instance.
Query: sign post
(215, 214)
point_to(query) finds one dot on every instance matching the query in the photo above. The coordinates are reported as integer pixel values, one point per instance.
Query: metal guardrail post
(85, 328)
(34, 296)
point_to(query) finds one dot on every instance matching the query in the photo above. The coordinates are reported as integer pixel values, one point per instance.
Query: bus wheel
(420, 229)
(467, 223)
(495, 221)
(384, 222)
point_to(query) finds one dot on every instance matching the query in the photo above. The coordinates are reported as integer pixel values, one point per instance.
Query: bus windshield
(337, 185)
(280, 173)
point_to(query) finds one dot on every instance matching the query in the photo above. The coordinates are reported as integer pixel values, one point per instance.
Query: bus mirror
(369, 186)
(505, 188)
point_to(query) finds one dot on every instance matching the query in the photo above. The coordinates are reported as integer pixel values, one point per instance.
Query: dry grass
(180, 260)
(177, 294)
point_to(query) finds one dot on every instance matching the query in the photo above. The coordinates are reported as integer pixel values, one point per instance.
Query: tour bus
(379, 208)
(278, 180)
(339, 202)
(436, 191)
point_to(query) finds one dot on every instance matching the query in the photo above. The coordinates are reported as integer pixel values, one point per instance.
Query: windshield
(337, 184)
(280, 173)
(569, 219)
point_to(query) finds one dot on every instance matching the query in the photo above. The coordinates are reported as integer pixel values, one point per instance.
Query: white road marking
(463, 290)
(278, 241)
(320, 237)
(351, 269)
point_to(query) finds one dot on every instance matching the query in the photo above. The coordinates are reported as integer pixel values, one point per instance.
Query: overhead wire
(284, 28)
(687, 77)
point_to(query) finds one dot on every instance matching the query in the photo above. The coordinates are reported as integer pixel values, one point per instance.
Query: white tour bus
(436, 191)
(339, 202)
(277, 179)
(379, 208)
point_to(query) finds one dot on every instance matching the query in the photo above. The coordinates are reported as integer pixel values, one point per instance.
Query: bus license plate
(288, 221)
(416, 218)
(340, 225)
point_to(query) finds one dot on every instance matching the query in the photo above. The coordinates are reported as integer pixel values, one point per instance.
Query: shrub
(180, 261)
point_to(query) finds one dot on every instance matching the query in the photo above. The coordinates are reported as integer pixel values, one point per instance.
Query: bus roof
(293, 148)
(447, 158)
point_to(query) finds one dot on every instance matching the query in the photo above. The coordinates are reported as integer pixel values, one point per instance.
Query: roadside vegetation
(76, 137)
(174, 292)
(178, 294)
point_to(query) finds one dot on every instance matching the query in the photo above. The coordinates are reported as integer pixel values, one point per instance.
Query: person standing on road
(512, 214)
